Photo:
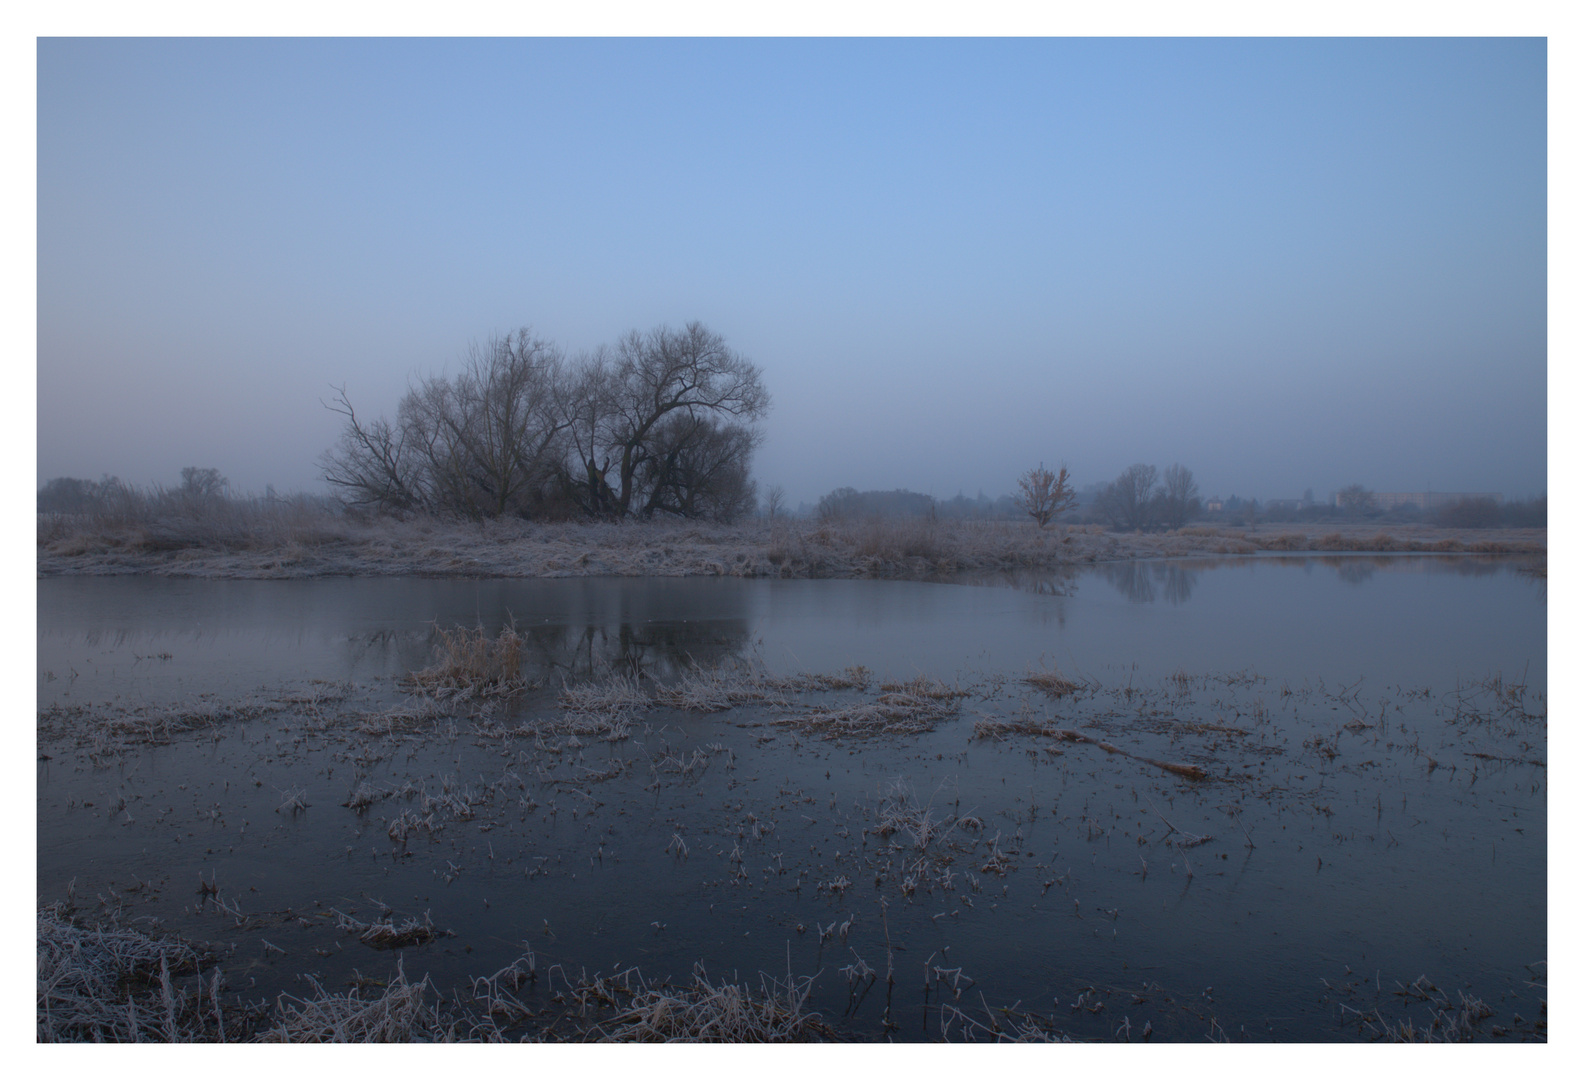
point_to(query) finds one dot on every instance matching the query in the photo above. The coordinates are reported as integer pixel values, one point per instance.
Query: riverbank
(324, 546)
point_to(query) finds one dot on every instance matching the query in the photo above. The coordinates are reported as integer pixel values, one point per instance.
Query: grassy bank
(296, 540)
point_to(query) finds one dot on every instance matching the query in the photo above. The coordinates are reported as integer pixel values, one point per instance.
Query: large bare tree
(1128, 501)
(370, 467)
(1178, 500)
(1043, 494)
(662, 423)
(505, 422)
(629, 391)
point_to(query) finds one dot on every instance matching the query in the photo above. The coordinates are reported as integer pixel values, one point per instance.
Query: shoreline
(905, 550)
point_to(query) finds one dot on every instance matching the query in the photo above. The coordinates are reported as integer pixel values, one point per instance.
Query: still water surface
(1391, 619)
(1381, 846)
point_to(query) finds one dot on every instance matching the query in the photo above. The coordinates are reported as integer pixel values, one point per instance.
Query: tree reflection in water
(1138, 581)
(632, 639)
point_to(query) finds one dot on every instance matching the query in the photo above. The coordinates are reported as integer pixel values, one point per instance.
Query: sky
(1286, 264)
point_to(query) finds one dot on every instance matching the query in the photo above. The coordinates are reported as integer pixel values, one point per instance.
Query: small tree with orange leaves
(1044, 494)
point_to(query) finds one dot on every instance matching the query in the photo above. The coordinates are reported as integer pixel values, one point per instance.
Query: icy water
(1392, 619)
(1371, 732)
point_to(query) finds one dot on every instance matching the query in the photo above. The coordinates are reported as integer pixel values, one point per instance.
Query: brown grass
(470, 663)
(895, 713)
(1052, 682)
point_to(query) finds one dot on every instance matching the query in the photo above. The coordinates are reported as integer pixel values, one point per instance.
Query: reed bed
(900, 813)
(856, 677)
(471, 664)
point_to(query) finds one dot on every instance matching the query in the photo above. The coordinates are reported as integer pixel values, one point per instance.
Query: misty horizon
(1283, 264)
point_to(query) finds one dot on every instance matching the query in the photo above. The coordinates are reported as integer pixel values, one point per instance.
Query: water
(1392, 619)
(1338, 704)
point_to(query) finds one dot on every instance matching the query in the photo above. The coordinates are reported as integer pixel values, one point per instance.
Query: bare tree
(1178, 500)
(698, 467)
(370, 467)
(1043, 494)
(201, 485)
(1128, 501)
(663, 423)
(774, 500)
(1355, 499)
(503, 422)
(630, 390)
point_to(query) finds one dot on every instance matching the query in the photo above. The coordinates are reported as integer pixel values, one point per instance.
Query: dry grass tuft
(991, 728)
(472, 664)
(385, 934)
(889, 714)
(1052, 682)
(924, 687)
(620, 693)
(718, 690)
(711, 1012)
(400, 1013)
(403, 718)
(900, 812)
(114, 985)
(856, 677)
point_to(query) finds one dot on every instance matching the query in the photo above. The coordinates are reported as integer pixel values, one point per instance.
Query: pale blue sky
(1282, 263)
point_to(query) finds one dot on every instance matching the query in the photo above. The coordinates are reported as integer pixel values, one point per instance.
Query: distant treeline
(202, 492)
(849, 504)
(1136, 501)
(1471, 513)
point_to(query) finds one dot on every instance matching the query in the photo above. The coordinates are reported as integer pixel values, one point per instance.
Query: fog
(1285, 264)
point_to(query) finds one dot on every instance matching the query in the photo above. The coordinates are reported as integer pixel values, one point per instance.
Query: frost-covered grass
(285, 538)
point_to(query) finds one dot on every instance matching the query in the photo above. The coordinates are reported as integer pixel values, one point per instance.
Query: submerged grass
(895, 713)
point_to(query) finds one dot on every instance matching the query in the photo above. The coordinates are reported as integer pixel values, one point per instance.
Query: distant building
(1424, 500)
